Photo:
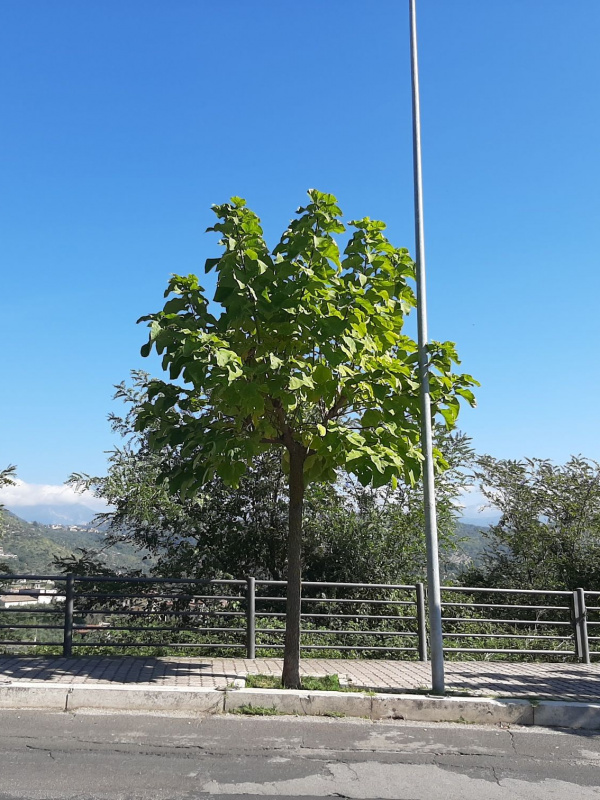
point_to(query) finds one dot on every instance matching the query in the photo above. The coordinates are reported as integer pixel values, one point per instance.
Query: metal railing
(246, 617)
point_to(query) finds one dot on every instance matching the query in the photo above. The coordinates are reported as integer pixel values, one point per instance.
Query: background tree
(306, 355)
(367, 535)
(548, 535)
(7, 477)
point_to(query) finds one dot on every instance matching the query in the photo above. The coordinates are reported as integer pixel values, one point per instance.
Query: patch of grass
(263, 682)
(328, 683)
(334, 714)
(256, 711)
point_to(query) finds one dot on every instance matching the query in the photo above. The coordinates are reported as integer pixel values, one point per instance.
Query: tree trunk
(291, 654)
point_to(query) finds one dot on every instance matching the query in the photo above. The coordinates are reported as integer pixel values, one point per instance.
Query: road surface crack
(495, 774)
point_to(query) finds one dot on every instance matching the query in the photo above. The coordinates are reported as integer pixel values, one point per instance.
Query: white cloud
(43, 494)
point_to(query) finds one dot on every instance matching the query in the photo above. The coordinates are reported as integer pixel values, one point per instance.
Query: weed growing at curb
(256, 711)
(329, 683)
(325, 683)
(262, 682)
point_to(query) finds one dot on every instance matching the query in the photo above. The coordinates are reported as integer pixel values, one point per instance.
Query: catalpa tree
(303, 351)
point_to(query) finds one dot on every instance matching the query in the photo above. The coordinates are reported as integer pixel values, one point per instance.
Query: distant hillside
(37, 545)
(471, 539)
(470, 545)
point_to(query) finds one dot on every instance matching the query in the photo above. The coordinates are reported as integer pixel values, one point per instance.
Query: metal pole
(250, 618)
(582, 643)
(68, 625)
(433, 568)
(421, 621)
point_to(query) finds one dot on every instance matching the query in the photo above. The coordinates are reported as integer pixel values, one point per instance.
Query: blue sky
(124, 122)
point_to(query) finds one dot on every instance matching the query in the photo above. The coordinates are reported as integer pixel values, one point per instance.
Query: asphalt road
(122, 757)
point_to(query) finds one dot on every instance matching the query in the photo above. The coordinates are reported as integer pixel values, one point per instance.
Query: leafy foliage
(6, 479)
(549, 533)
(308, 352)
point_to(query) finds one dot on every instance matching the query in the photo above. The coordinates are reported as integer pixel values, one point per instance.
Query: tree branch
(335, 408)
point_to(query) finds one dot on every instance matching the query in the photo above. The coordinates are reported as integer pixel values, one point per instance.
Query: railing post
(582, 644)
(68, 627)
(250, 618)
(421, 621)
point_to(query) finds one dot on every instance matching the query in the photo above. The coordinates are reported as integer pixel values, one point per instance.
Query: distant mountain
(470, 544)
(66, 514)
(36, 546)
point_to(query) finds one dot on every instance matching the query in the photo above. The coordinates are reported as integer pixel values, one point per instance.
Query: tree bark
(291, 654)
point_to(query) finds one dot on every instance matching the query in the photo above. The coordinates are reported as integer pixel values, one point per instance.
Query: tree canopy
(307, 350)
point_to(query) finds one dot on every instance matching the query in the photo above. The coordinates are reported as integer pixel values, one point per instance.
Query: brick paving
(564, 681)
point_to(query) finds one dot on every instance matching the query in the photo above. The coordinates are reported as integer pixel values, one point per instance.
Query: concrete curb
(196, 701)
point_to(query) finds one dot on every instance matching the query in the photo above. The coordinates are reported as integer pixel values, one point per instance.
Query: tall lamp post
(433, 567)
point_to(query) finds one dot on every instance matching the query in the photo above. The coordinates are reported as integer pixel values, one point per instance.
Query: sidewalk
(573, 682)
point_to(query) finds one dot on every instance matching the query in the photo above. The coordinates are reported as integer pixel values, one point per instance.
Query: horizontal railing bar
(214, 645)
(33, 627)
(328, 632)
(404, 587)
(58, 595)
(471, 589)
(122, 579)
(31, 643)
(500, 650)
(30, 610)
(329, 584)
(12, 578)
(267, 614)
(504, 636)
(359, 602)
(172, 596)
(531, 622)
(506, 605)
(349, 616)
(87, 629)
(337, 647)
(342, 600)
(132, 613)
(357, 647)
